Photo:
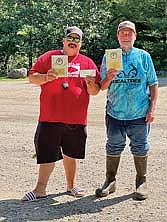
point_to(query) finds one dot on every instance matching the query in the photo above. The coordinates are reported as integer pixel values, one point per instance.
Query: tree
(150, 20)
(30, 27)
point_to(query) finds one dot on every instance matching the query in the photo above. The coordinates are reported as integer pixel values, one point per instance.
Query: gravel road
(19, 105)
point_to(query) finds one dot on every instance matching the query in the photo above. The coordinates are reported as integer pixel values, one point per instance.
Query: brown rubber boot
(109, 186)
(141, 169)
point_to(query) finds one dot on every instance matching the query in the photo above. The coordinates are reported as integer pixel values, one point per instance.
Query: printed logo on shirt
(129, 77)
(73, 69)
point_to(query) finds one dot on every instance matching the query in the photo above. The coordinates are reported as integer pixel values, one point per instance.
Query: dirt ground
(19, 105)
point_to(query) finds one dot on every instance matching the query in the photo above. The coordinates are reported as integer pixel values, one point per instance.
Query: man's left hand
(90, 81)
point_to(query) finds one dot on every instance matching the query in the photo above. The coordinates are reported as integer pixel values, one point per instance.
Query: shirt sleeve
(42, 65)
(151, 73)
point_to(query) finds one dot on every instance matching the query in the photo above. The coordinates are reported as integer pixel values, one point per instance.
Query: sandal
(31, 196)
(76, 192)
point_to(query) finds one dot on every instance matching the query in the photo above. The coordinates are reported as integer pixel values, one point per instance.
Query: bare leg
(70, 166)
(45, 171)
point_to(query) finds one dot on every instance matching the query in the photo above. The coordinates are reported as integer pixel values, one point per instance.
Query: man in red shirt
(61, 131)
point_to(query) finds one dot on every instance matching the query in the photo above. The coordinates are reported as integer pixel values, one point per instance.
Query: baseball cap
(73, 29)
(126, 24)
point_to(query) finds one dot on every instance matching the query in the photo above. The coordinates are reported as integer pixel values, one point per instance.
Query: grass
(3, 78)
(163, 76)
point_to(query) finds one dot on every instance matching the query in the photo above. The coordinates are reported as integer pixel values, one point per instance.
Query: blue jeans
(136, 130)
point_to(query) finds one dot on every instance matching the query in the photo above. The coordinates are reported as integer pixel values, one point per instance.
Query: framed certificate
(114, 59)
(59, 64)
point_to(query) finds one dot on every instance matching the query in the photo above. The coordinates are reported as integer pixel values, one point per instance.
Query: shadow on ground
(49, 209)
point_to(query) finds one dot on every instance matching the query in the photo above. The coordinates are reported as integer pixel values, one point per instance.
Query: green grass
(162, 76)
(2, 78)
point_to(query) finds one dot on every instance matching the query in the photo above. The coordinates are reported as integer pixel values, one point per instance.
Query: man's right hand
(51, 75)
(111, 73)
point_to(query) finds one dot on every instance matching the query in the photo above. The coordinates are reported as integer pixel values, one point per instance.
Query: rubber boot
(109, 186)
(141, 169)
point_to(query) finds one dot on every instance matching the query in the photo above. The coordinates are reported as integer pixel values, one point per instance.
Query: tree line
(28, 28)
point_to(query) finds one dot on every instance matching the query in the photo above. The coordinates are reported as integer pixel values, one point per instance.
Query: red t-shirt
(68, 105)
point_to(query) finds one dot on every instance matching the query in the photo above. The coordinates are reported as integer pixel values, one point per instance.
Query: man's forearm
(154, 96)
(105, 83)
(38, 79)
(93, 89)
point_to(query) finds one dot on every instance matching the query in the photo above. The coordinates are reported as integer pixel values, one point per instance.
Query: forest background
(28, 28)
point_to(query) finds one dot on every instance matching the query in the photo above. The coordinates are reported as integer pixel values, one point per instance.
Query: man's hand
(92, 87)
(151, 111)
(150, 116)
(90, 81)
(51, 75)
(111, 73)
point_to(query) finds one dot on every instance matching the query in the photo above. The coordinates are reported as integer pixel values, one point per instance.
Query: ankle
(40, 189)
(70, 186)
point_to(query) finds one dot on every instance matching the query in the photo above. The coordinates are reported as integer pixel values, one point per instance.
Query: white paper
(88, 72)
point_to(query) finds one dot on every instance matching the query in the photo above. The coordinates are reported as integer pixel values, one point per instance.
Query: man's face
(126, 38)
(71, 44)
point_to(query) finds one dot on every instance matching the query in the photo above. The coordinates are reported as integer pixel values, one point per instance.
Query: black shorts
(52, 140)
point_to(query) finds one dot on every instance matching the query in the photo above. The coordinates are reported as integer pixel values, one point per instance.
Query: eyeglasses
(73, 39)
